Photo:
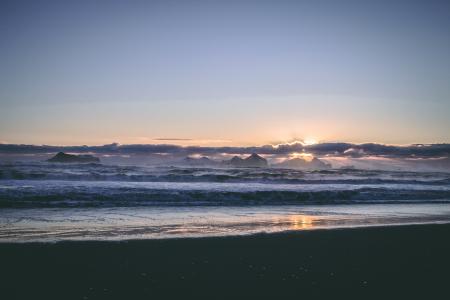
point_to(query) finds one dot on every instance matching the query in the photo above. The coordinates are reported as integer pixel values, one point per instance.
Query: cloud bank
(319, 150)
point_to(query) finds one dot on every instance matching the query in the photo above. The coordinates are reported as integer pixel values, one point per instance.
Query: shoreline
(292, 232)
(399, 260)
(115, 224)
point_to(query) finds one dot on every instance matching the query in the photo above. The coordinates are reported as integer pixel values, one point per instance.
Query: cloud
(320, 150)
(171, 139)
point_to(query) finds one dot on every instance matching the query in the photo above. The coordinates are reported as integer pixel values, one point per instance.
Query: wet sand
(378, 262)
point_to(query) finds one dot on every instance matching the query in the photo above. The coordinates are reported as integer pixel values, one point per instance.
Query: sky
(222, 73)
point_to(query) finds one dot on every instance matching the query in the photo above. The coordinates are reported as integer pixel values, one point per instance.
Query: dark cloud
(322, 149)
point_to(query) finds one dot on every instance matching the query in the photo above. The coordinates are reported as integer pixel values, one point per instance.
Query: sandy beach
(402, 261)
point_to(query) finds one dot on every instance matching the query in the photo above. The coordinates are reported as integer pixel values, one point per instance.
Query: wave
(34, 184)
(99, 172)
(107, 196)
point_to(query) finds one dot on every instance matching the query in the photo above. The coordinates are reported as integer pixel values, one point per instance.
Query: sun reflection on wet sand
(299, 222)
(296, 222)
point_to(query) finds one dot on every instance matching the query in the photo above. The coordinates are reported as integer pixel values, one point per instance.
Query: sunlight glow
(302, 155)
(304, 142)
(299, 222)
(309, 141)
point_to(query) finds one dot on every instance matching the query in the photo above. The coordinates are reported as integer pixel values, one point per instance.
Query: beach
(401, 261)
(101, 231)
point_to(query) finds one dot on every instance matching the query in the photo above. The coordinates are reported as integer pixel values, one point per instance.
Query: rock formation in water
(253, 161)
(62, 157)
(299, 163)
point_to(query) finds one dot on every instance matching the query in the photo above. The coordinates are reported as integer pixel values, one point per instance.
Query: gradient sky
(224, 72)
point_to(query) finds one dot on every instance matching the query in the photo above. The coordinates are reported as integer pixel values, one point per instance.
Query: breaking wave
(28, 185)
(82, 194)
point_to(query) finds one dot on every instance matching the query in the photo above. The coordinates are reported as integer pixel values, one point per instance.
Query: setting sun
(309, 141)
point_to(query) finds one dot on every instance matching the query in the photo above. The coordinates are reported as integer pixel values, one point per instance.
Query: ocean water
(41, 201)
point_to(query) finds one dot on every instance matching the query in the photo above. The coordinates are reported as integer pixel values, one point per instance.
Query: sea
(51, 202)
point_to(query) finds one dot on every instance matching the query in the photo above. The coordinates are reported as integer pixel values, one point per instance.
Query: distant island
(253, 161)
(303, 164)
(62, 157)
(256, 161)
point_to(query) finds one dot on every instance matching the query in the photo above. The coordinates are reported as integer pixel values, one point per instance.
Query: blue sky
(224, 72)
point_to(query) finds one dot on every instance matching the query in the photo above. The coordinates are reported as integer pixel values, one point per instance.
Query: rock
(62, 157)
(299, 163)
(253, 161)
(236, 161)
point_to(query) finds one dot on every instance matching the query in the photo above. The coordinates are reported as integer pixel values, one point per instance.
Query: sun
(309, 141)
